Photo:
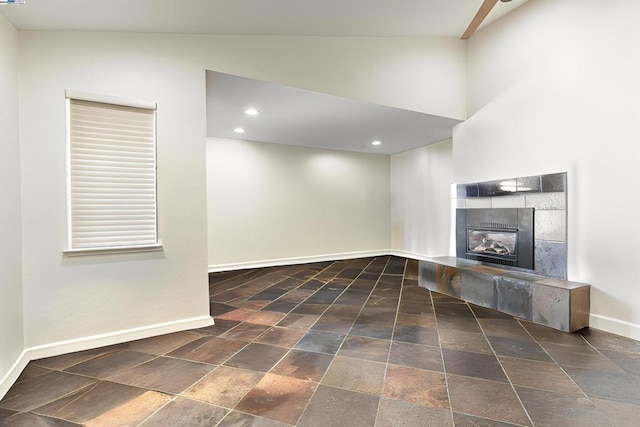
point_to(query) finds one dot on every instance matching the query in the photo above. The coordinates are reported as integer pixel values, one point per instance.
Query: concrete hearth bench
(559, 304)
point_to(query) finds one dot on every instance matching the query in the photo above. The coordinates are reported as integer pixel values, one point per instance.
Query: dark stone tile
(224, 386)
(106, 402)
(363, 283)
(365, 348)
(394, 268)
(27, 419)
(218, 308)
(278, 398)
(416, 335)
(378, 314)
(281, 337)
(186, 412)
(238, 419)
(324, 296)
(393, 413)
(619, 414)
(164, 374)
(32, 371)
(382, 302)
(620, 387)
(417, 306)
(540, 375)
(308, 308)
(607, 341)
(6, 413)
(427, 320)
(353, 297)
(629, 362)
(466, 341)
(488, 313)
(245, 332)
(281, 306)
(65, 361)
(415, 356)
(264, 317)
(362, 376)
(554, 183)
(416, 386)
(331, 406)
(509, 328)
(462, 420)
(337, 319)
(529, 184)
(486, 399)
(239, 314)
(580, 356)
(164, 343)
(257, 357)
(544, 334)
(219, 328)
(303, 365)
(475, 365)
(299, 321)
(214, 350)
(29, 394)
(320, 342)
(548, 408)
(371, 329)
(312, 284)
(524, 348)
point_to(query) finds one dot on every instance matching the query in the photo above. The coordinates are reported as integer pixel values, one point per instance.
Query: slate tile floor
(346, 343)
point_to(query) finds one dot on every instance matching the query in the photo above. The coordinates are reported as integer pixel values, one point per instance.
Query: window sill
(113, 250)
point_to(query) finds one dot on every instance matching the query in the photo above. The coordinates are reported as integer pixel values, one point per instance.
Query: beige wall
(420, 200)
(554, 87)
(11, 334)
(272, 203)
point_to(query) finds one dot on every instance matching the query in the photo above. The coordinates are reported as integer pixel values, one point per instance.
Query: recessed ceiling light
(238, 130)
(376, 143)
(251, 112)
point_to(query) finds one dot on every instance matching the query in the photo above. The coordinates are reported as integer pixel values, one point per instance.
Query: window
(111, 175)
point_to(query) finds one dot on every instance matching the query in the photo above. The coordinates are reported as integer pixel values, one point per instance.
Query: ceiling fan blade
(482, 13)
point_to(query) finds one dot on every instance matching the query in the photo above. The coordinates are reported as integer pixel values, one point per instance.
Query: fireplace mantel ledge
(559, 304)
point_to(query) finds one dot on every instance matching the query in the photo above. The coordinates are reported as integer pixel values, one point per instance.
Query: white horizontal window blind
(112, 175)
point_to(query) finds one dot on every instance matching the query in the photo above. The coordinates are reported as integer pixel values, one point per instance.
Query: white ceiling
(289, 115)
(300, 117)
(432, 18)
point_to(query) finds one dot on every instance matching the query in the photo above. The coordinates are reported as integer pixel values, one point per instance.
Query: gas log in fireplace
(501, 236)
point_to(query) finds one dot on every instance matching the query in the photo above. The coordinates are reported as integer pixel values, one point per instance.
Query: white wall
(555, 87)
(421, 200)
(272, 203)
(75, 299)
(11, 328)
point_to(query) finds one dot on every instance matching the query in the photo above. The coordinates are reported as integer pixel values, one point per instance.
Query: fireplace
(500, 236)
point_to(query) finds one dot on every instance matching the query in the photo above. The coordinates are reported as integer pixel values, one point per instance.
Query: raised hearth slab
(559, 304)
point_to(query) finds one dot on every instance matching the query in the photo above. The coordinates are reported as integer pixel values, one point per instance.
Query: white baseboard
(14, 372)
(296, 260)
(615, 326)
(95, 341)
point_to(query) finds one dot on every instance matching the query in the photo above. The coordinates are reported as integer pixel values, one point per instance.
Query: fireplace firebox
(502, 236)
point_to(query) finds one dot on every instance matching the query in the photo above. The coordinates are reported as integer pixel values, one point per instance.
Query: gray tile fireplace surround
(547, 195)
(541, 295)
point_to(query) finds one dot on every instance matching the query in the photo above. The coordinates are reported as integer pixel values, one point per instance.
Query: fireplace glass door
(493, 243)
